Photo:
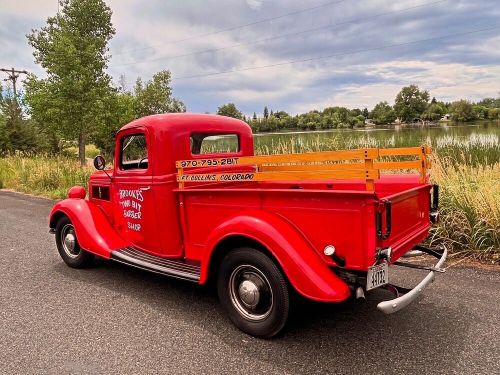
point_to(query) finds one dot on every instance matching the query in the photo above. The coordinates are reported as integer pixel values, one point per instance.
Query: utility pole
(13, 76)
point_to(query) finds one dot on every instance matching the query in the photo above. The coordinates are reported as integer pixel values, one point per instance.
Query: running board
(170, 267)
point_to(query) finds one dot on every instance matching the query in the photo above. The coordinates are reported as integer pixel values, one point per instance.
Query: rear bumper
(389, 307)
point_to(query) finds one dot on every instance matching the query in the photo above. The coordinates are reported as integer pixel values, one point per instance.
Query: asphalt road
(115, 319)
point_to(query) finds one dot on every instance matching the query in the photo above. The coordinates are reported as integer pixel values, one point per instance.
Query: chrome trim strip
(135, 262)
(162, 262)
(391, 306)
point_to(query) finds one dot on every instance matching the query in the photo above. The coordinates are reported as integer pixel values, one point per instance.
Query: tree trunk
(81, 149)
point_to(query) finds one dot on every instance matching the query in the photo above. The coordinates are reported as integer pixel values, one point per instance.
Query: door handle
(145, 188)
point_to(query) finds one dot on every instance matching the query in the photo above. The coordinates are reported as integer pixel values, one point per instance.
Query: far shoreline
(391, 126)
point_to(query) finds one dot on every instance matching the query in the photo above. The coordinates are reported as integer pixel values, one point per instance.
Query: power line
(303, 10)
(284, 35)
(344, 53)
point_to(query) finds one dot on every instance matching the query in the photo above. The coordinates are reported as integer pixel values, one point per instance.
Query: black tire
(74, 256)
(253, 292)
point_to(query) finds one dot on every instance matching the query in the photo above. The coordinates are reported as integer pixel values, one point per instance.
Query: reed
(469, 207)
(48, 176)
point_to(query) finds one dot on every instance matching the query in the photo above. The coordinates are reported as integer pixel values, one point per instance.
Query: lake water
(475, 142)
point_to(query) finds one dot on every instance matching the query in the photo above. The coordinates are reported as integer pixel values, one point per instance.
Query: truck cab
(139, 192)
(186, 197)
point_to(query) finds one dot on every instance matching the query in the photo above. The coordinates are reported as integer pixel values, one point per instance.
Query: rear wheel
(254, 292)
(68, 246)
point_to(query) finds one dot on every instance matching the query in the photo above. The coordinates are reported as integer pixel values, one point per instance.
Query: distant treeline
(410, 105)
(36, 132)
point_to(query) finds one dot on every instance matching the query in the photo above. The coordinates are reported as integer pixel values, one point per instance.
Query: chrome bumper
(389, 307)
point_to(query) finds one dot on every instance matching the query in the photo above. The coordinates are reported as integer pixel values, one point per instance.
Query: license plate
(377, 276)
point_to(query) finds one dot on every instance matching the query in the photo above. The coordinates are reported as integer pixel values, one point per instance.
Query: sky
(289, 55)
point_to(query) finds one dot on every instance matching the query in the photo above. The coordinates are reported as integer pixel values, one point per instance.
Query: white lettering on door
(131, 204)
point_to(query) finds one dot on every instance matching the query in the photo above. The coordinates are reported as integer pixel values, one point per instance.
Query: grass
(468, 179)
(91, 151)
(469, 208)
(48, 176)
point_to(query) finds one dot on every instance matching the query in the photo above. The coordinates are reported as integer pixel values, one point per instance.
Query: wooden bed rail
(358, 164)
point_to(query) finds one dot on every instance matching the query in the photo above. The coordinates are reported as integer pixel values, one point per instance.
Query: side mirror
(99, 163)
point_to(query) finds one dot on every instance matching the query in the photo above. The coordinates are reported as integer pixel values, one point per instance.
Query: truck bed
(341, 213)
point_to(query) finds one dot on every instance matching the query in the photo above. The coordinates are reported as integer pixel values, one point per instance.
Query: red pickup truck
(187, 197)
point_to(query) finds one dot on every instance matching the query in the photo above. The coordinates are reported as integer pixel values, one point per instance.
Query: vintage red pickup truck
(187, 197)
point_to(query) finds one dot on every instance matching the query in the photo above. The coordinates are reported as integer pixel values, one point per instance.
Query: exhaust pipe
(360, 293)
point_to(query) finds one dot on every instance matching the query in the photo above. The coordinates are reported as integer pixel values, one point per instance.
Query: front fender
(304, 268)
(93, 230)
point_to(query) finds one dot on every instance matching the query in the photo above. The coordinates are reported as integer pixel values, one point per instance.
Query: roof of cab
(172, 122)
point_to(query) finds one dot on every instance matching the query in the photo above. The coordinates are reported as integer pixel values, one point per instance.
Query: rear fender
(302, 265)
(93, 230)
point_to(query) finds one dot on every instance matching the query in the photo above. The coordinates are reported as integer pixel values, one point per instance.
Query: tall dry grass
(469, 207)
(48, 176)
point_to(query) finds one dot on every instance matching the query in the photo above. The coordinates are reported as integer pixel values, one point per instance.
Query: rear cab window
(201, 144)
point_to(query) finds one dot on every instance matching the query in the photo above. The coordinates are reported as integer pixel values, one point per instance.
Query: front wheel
(68, 246)
(253, 292)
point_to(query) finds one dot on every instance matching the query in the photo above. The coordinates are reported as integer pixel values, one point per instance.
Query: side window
(134, 152)
(214, 143)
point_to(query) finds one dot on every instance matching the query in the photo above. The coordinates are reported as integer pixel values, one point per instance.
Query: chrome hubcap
(250, 292)
(68, 240)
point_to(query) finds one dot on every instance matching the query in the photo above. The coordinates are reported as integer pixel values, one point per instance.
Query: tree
(410, 103)
(155, 96)
(281, 114)
(490, 102)
(16, 133)
(383, 113)
(461, 110)
(434, 111)
(494, 113)
(365, 113)
(480, 112)
(355, 112)
(120, 109)
(72, 48)
(266, 112)
(229, 110)
(254, 116)
(341, 117)
(122, 106)
(4, 138)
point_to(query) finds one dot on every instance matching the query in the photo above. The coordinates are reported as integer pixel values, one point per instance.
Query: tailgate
(402, 219)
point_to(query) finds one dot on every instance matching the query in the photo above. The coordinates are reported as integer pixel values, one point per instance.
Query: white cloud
(445, 81)
(255, 4)
(30, 8)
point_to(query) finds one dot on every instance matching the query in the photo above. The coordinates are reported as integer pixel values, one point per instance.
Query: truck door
(135, 214)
